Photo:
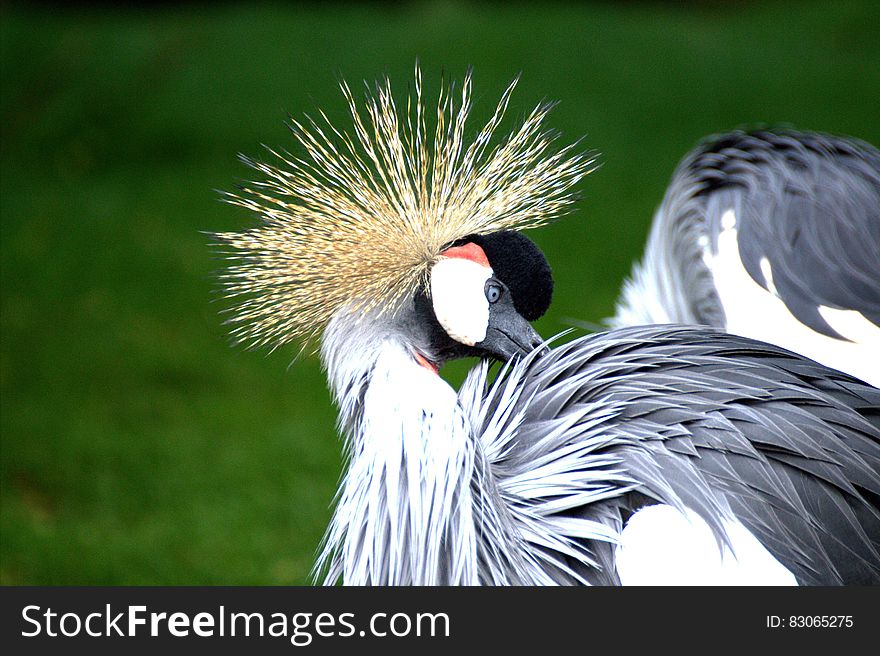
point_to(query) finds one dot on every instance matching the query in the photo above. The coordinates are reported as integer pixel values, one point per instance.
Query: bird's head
(403, 225)
(483, 292)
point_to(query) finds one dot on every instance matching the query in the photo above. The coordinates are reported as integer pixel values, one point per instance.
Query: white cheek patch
(459, 298)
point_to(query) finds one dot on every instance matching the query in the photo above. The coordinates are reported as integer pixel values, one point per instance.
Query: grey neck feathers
(672, 284)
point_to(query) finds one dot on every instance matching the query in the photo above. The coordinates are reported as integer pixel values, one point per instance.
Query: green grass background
(138, 445)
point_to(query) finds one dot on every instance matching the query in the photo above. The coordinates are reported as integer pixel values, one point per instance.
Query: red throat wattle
(430, 366)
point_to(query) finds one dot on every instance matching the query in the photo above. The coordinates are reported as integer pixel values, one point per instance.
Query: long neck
(405, 512)
(672, 284)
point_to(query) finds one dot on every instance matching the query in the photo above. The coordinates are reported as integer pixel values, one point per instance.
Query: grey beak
(509, 334)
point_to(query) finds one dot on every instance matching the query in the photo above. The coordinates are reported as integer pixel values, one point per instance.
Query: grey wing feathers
(723, 425)
(809, 203)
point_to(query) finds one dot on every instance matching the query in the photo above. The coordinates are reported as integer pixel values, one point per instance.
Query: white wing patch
(728, 220)
(660, 545)
(752, 311)
(767, 270)
(852, 325)
(459, 298)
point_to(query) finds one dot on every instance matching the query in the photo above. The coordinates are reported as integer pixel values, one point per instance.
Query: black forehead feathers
(519, 264)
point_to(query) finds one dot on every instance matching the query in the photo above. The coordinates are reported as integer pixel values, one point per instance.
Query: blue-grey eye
(493, 291)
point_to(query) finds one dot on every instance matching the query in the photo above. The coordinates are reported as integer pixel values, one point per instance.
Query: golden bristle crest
(358, 219)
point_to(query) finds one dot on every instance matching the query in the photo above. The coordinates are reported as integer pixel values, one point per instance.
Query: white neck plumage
(405, 512)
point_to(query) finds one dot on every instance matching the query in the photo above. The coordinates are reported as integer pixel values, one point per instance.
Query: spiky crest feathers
(358, 220)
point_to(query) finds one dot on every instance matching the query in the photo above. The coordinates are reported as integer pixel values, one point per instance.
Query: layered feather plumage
(725, 426)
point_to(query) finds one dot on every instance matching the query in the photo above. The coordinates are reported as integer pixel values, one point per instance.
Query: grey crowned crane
(655, 454)
(773, 235)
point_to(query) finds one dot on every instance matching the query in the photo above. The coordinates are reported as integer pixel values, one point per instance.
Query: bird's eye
(493, 291)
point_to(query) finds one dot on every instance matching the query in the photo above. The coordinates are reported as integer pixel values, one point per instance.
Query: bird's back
(721, 425)
(773, 235)
(807, 203)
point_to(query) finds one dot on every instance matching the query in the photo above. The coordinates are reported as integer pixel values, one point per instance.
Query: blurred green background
(138, 445)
